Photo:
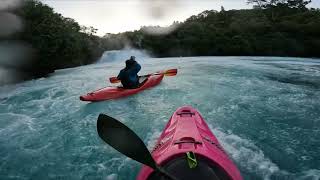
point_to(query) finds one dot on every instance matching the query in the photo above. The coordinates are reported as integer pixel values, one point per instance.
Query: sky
(114, 16)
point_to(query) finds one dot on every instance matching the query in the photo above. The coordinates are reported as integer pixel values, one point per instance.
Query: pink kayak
(187, 149)
(108, 93)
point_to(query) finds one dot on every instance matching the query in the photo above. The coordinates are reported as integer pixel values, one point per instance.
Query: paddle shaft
(170, 72)
(148, 75)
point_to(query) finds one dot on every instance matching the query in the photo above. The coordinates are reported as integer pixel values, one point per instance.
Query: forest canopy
(271, 28)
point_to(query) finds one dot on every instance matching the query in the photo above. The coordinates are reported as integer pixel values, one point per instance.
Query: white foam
(246, 154)
(312, 174)
(19, 120)
(122, 55)
(152, 139)
(124, 163)
(112, 177)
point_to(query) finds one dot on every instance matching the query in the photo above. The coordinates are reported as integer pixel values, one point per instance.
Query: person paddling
(129, 75)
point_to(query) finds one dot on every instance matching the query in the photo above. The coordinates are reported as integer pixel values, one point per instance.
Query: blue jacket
(129, 76)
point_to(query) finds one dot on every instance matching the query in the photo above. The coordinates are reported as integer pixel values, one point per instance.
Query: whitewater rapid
(264, 110)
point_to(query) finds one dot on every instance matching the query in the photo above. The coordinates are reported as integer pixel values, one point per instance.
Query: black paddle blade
(124, 140)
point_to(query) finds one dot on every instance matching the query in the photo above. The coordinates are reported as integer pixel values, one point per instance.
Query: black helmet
(129, 63)
(132, 58)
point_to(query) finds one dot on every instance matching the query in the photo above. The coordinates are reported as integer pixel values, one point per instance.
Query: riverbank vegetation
(271, 28)
(56, 41)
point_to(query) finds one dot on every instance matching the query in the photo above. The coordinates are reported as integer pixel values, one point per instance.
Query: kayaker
(129, 75)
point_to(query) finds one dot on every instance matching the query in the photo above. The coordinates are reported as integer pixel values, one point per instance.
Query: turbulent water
(264, 111)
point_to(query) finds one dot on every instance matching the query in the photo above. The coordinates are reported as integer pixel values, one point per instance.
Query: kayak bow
(188, 150)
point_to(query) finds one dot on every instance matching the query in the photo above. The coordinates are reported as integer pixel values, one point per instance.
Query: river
(265, 111)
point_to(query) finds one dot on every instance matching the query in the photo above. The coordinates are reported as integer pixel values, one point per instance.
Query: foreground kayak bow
(186, 149)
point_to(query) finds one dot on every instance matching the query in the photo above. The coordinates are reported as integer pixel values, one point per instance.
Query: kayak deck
(188, 132)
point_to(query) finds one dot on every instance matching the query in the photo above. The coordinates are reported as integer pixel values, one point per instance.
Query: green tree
(276, 30)
(301, 4)
(59, 42)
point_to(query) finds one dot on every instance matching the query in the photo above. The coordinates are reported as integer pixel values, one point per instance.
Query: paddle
(124, 140)
(170, 72)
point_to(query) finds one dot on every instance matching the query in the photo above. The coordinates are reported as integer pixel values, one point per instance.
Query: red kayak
(188, 150)
(108, 93)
